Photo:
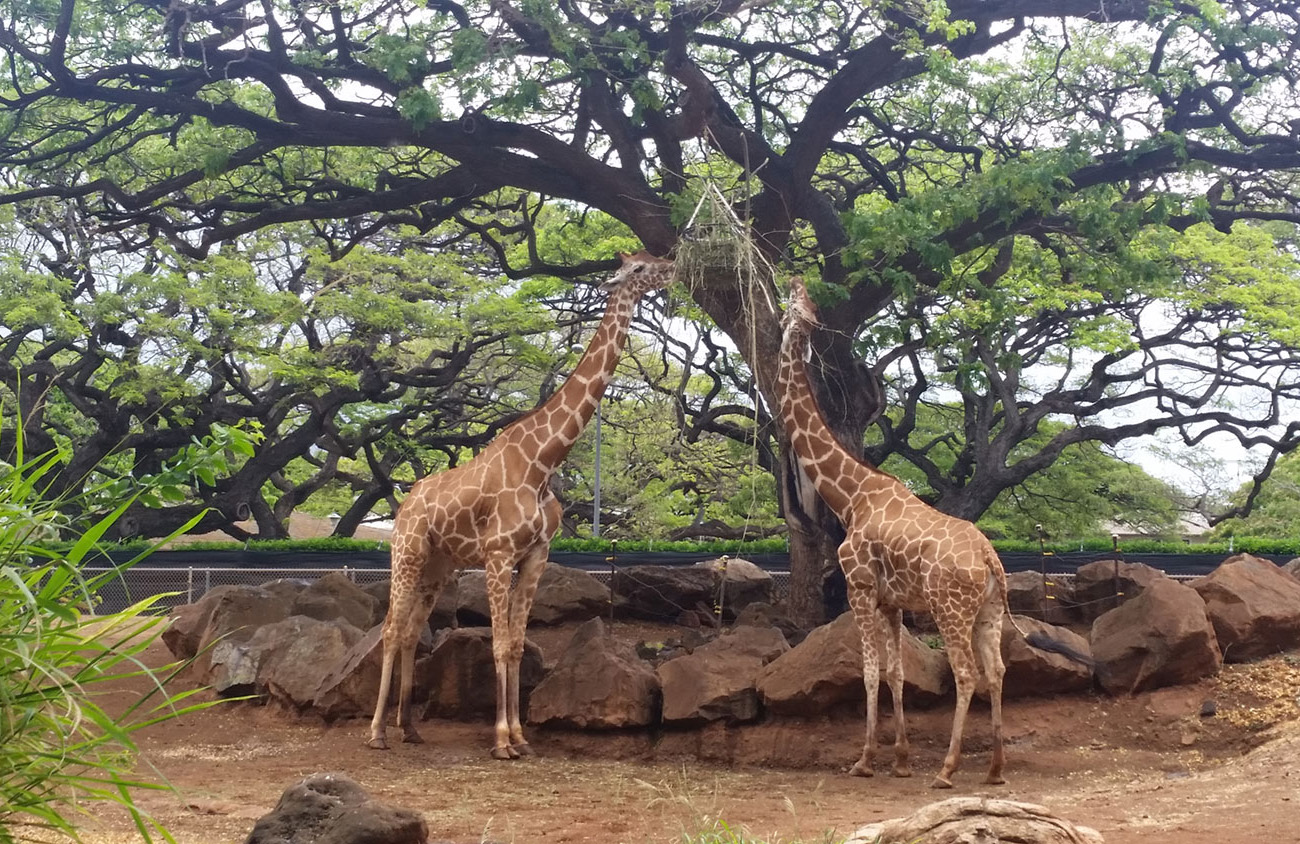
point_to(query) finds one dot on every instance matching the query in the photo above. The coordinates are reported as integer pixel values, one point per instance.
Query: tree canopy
(1033, 204)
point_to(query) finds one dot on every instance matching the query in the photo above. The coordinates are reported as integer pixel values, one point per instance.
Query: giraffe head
(801, 313)
(640, 273)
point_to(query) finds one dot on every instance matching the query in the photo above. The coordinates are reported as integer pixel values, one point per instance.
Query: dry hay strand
(717, 242)
(1267, 692)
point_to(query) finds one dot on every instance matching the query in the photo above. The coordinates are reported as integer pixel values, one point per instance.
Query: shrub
(60, 750)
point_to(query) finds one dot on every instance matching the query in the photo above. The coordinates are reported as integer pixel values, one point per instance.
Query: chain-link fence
(185, 584)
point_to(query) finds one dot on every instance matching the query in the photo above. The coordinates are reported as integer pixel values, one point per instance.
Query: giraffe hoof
(412, 737)
(941, 782)
(995, 779)
(523, 749)
(902, 771)
(860, 769)
(504, 753)
(377, 743)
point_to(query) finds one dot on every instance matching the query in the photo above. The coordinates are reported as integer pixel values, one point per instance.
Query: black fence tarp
(1174, 564)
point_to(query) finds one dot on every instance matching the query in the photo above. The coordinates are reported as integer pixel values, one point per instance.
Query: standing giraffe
(497, 512)
(899, 554)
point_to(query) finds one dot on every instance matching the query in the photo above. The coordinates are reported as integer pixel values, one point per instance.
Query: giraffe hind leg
(377, 740)
(988, 648)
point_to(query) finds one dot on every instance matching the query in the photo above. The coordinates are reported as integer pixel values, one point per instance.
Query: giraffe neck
(837, 474)
(562, 418)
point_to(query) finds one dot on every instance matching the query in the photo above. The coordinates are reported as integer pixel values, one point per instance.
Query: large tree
(891, 150)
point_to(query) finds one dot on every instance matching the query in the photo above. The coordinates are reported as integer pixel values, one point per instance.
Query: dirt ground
(1149, 769)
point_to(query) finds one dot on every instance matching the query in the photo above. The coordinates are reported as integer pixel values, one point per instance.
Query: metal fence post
(612, 559)
(1114, 543)
(189, 585)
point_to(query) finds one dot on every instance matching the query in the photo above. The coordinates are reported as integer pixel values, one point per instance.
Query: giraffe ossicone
(899, 553)
(497, 512)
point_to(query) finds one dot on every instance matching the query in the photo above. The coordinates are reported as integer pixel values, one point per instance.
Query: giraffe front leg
(497, 573)
(862, 601)
(521, 603)
(396, 639)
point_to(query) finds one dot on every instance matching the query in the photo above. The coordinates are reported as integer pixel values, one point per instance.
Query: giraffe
(497, 512)
(899, 553)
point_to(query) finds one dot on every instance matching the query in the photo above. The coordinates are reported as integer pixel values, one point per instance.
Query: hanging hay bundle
(715, 242)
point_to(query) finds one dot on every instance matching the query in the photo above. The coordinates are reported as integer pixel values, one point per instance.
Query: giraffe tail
(1037, 639)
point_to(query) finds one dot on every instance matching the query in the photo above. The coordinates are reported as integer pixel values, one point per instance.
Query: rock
(1033, 671)
(568, 594)
(716, 681)
(332, 809)
(824, 672)
(285, 587)
(760, 614)
(243, 668)
(1293, 568)
(471, 599)
(743, 583)
(661, 593)
(563, 594)
(597, 683)
(285, 660)
(977, 820)
(1254, 607)
(461, 676)
(230, 614)
(334, 596)
(444, 609)
(1049, 600)
(351, 686)
(1161, 638)
(1094, 586)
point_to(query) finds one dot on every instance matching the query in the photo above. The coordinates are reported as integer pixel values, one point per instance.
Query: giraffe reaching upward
(899, 554)
(497, 512)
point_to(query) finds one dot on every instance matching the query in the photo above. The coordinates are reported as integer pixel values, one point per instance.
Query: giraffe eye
(638, 269)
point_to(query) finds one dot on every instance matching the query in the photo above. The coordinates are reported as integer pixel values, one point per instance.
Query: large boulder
(1293, 568)
(290, 649)
(351, 686)
(1048, 599)
(444, 609)
(597, 683)
(742, 583)
(761, 614)
(1096, 584)
(977, 820)
(301, 652)
(230, 614)
(288, 588)
(824, 672)
(1254, 607)
(472, 608)
(332, 809)
(1161, 638)
(662, 593)
(461, 677)
(568, 594)
(335, 596)
(716, 680)
(1035, 671)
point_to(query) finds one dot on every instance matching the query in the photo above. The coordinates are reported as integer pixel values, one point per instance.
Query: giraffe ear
(625, 257)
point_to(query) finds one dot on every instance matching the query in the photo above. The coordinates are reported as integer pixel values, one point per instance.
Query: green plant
(61, 749)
